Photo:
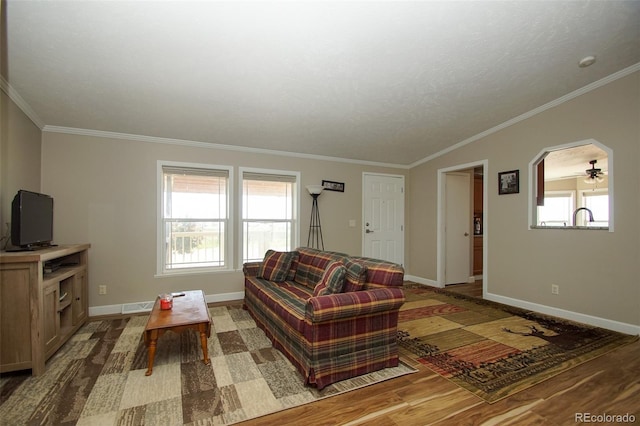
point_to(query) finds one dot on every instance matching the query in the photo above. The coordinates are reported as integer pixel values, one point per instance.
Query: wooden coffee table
(189, 312)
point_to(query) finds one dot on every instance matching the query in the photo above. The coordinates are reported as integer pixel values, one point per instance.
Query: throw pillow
(275, 265)
(291, 276)
(356, 276)
(332, 280)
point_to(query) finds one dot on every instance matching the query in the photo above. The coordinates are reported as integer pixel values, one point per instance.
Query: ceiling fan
(594, 174)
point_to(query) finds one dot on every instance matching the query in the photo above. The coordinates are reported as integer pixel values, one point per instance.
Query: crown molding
(588, 88)
(22, 104)
(211, 145)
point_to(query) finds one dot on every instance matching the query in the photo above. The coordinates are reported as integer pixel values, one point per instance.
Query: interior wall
(105, 194)
(595, 270)
(20, 141)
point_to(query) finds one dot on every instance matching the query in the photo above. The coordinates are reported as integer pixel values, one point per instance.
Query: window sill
(582, 228)
(182, 273)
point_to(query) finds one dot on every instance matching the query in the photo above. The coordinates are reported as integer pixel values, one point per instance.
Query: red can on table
(166, 302)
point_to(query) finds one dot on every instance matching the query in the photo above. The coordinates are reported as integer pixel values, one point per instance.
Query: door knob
(466, 234)
(368, 231)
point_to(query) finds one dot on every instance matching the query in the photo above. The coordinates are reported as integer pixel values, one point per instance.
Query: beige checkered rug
(97, 378)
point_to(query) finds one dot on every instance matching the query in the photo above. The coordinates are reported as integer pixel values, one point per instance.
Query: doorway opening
(462, 227)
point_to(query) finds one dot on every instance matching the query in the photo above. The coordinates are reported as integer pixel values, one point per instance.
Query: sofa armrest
(251, 269)
(353, 304)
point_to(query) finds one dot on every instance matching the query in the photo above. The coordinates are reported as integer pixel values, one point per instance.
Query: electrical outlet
(102, 289)
(555, 289)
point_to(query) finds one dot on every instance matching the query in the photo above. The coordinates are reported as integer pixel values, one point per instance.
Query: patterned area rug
(97, 378)
(490, 349)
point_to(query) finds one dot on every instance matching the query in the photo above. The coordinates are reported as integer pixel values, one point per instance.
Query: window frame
(161, 270)
(585, 194)
(559, 194)
(295, 237)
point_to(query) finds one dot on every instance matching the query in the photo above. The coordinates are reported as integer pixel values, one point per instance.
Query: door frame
(441, 220)
(404, 209)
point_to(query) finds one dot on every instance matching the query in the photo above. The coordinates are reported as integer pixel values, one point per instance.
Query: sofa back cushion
(311, 265)
(356, 276)
(276, 265)
(332, 280)
(381, 274)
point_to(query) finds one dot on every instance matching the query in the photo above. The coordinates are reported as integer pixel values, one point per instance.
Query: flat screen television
(31, 220)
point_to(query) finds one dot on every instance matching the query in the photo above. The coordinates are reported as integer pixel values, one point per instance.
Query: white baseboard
(423, 281)
(95, 311)
(620, 327)
(224, 297)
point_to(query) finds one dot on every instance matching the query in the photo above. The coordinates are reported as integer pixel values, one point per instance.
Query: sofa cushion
(287, 299)
(276, 265)
(332, 280)
(291, 276)
(356, 276)
(311, 265)
(381, 274)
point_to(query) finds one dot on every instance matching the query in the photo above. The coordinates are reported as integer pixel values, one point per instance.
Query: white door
(457, 228)
(383, 217)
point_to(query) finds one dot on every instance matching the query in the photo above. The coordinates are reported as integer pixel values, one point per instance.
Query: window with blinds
(195, 218)
(269, 206)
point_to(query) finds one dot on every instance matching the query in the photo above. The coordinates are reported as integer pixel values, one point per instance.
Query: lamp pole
(315, 239)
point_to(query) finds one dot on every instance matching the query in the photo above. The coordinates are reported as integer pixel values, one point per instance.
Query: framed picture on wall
(333, 186)
(509, 182)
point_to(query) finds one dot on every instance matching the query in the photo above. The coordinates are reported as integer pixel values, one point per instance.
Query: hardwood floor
(607, 385)
(468, 289)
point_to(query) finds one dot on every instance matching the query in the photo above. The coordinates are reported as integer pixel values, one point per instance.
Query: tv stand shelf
(40, 311)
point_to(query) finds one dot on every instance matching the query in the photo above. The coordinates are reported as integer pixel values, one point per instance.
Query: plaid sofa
(328, 334)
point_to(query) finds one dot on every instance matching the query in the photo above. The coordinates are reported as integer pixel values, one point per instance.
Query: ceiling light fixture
(586, 61)
(594, 175)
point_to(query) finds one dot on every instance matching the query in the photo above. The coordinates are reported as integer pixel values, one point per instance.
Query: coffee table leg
(152, 340)
(205, 350)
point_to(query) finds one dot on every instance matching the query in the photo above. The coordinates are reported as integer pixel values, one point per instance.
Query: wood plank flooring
(468, 289)
(609, 385)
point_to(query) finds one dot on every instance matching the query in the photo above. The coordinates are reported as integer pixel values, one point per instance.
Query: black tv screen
(31, 219)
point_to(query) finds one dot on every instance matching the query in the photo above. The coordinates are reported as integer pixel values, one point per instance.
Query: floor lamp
(315, 229)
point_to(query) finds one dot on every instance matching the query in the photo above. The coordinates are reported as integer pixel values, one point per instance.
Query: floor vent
(132, 308)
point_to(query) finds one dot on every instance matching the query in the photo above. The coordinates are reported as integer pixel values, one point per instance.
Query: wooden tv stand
(40, 310)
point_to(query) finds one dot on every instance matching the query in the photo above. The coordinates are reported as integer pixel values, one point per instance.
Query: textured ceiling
(390, 82)
(574, 162)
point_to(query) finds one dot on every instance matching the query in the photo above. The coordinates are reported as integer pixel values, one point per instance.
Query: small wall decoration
(333, 186)
(477, 225)
(509, 182)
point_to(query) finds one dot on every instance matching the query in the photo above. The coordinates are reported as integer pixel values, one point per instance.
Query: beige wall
(596, 270)
(19, 156)
(105, 194)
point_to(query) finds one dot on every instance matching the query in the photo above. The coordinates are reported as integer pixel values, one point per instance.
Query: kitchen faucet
(575, 214)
